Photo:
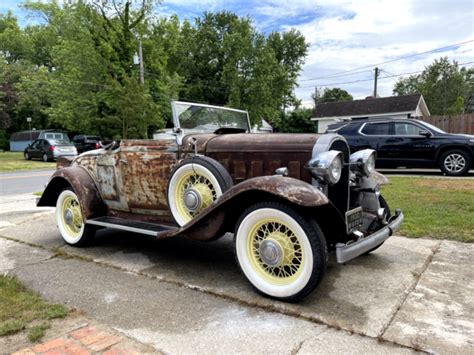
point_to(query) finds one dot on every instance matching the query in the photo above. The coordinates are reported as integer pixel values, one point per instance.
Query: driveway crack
(409, 290)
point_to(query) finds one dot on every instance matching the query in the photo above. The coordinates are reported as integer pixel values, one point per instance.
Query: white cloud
(380, 31)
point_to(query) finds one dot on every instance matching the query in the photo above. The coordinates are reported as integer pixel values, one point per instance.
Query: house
(20, 140)
(406, 106)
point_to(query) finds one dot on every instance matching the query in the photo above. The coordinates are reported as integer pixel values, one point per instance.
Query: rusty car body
(289, 199)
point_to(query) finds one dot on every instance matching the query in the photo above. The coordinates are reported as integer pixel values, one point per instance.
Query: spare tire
(194, 185)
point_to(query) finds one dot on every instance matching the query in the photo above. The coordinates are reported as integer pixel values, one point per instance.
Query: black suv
(409, 143)
(85, 143)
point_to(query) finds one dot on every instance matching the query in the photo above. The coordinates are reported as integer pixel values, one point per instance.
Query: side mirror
(424, 133)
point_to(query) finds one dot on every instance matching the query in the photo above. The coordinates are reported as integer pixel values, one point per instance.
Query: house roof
(371, 106)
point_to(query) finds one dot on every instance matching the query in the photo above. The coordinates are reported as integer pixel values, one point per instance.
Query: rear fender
(83, 185)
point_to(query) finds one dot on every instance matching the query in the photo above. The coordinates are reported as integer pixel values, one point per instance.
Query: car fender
(221, 216)
(83, 185)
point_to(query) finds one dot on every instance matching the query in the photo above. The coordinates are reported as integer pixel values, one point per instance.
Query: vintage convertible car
(289, 199)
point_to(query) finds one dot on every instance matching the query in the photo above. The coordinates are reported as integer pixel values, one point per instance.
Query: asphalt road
(21, 182)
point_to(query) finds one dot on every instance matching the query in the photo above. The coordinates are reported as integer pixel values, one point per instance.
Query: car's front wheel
(70, 220)
(27, 156)
(455, 162)
(281, 252)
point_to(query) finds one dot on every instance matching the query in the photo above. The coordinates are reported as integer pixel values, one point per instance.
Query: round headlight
(370, 164)
(335, 170)
(326, 167)
(363, 161)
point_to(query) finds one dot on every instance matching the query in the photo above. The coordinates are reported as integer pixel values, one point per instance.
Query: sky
(347, 35)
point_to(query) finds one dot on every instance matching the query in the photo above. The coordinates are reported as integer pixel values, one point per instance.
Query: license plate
(353, 219)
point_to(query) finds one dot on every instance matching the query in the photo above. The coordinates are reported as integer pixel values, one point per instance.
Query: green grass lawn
(14, 161)
(434, 207)
(22, 310)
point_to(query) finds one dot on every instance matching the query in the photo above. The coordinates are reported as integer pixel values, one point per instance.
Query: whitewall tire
(70, 221)
(281, 252)
(194, 185)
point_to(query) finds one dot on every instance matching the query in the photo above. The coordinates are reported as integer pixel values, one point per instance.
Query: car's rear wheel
(45, 157)
(455, 162)
(281, 252)
(194, 185)
(70, 220)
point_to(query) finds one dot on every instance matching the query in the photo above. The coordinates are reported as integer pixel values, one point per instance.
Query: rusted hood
(274, 143)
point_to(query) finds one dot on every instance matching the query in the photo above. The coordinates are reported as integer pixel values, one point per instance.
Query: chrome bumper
(346, 252)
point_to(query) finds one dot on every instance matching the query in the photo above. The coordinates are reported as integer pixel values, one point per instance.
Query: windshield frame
(176, 115)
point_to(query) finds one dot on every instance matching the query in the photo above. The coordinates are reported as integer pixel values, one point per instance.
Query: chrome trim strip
(346, 252)
(125, 228)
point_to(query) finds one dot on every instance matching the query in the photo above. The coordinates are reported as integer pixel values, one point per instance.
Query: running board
(131, 226)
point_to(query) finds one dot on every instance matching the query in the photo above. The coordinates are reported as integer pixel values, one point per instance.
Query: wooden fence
(453, 124)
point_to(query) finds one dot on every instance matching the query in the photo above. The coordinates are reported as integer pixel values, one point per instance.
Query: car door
(374, 134)
(110, 180)
(146, 167)
(410, 147)
(35, 151)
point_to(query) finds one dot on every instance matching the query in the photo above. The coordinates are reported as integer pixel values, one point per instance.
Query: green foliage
(435, 208)
(20, 309)
(446, 88)
(297, 121)
(332, 95)
(11, 327)
(4, 142)
(36, 332)
(76, 71)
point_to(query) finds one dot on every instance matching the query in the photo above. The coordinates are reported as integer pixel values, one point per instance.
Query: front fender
(83, 185)
(221, 216)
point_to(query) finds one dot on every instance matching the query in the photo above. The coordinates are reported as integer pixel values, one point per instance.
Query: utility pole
(375, 81)
(140, 55)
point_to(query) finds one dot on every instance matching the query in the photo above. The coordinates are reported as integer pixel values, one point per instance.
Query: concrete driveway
(182, 296)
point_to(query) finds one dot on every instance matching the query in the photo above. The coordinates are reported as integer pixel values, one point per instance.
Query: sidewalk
(86, 337)
(185, 297)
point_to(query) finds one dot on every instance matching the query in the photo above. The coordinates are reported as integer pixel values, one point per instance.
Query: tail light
(97, 145)
(52, 148)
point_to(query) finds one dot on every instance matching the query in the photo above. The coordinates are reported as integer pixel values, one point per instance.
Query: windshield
(434, 128)
(200, 118)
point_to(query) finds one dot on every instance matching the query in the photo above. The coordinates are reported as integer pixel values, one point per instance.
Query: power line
(363, 80)
(343, 73)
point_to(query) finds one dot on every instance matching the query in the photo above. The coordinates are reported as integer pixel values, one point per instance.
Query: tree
(297, 121)
(75, 70)
(446, 88)
(332, 95)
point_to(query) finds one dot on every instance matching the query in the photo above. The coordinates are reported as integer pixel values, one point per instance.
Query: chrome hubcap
(68, 216)
(271, 252)
(454, 162)
(192, 200)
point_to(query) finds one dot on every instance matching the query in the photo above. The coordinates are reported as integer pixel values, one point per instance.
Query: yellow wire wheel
(70, 220)
(282, 253)
(194, 185)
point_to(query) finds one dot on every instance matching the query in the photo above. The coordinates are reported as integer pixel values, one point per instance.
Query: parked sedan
(409, 143)
(49, 149)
